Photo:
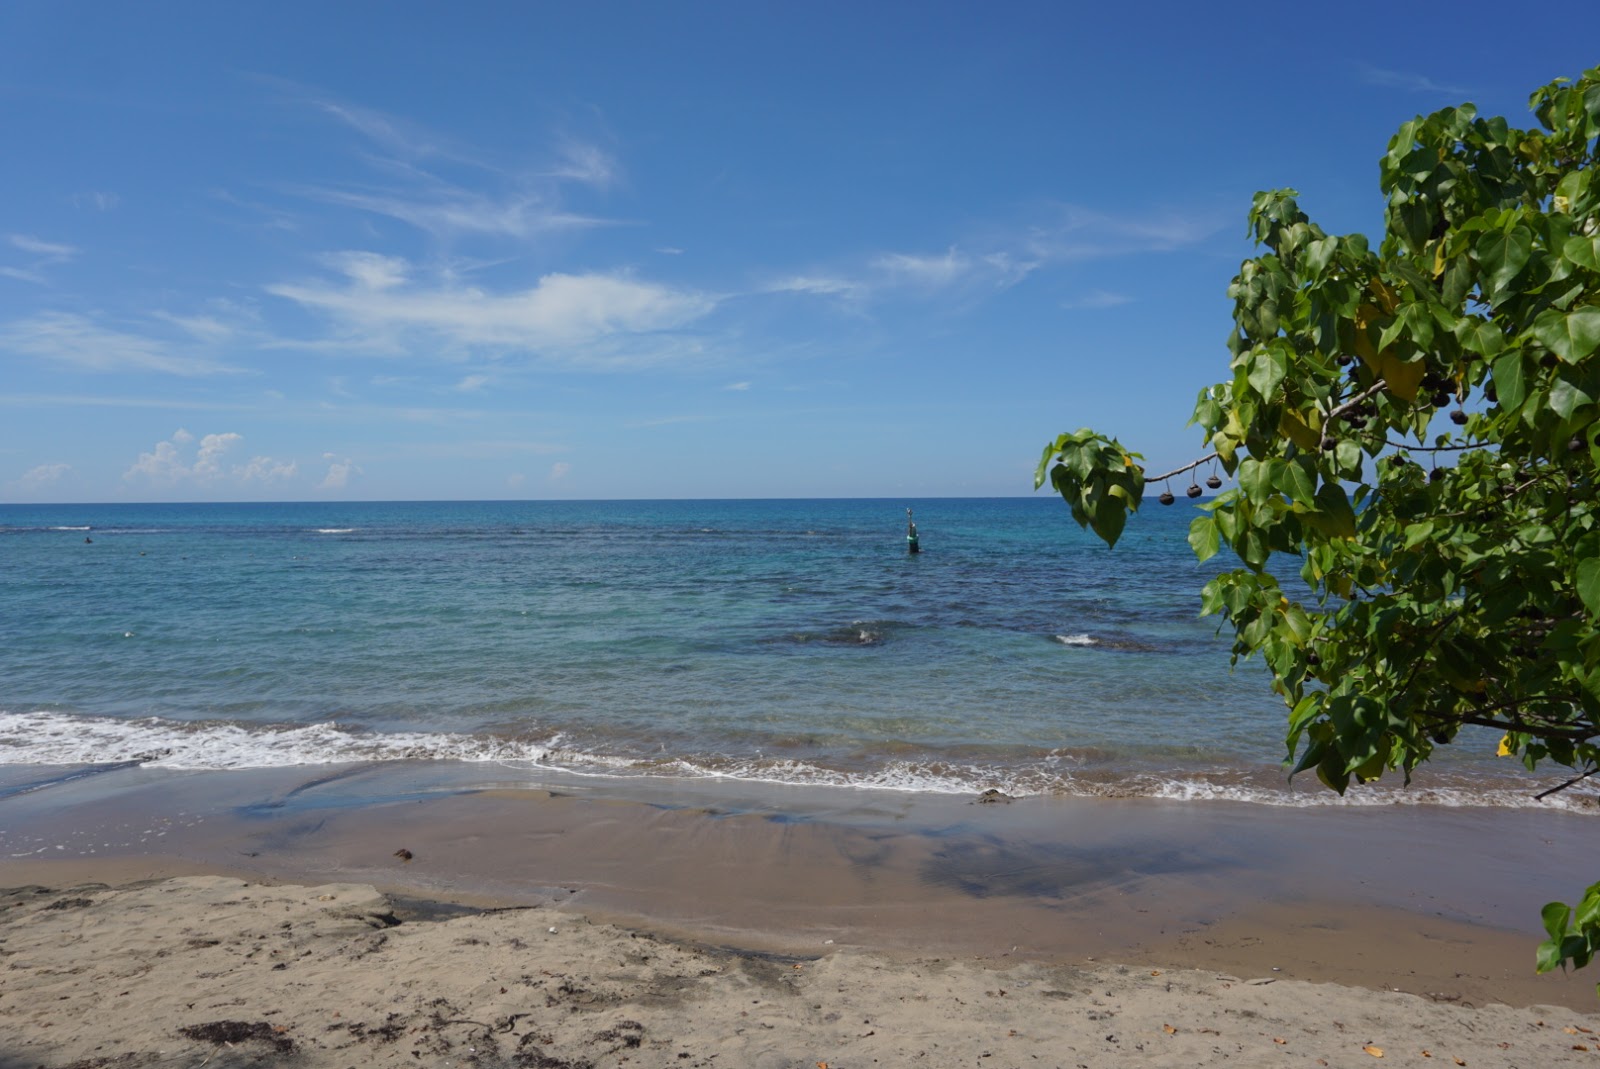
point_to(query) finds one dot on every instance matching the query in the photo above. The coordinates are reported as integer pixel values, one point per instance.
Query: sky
(403, 251)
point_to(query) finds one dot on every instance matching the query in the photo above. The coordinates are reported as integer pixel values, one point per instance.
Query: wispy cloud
(739, 386)
(450, 211)
(42, 255)
(924, 271)
(1411, 82)
(564, 318)
(66, 338)
(560, 470)
(42, 476)
(53, 250)
(99, 201)
(58, 400)
(1098, 298)
(1004, 257)
(586, 163)
(500, 201)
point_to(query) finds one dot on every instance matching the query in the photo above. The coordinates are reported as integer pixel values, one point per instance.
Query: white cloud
(102, 202)
(50, 249)
(516, 479)
(202, 328)
(1002, 258)
(584, 163)
(451, 211)
(737, 386)
(926, 271)
(44, 254)
(339, 472)
(1098, 298)
(560, 317)
(821, 286)
(560, 470)
(43, 475)
(471, 383)
(266, 470)
(212, 446)
(1416, 83)
(168, 465)
(370, 270)
(526, 202)
(65, 338)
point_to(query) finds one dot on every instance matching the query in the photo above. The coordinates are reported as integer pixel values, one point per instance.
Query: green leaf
(1509, 382)
(1566, 398)
(1503, 255)
(1571, 336)
(1204, 538)
(1295, 482)
(1480, 336)
(1588, 573)
(1555, 916)
(1583, 251)
(1267, 370)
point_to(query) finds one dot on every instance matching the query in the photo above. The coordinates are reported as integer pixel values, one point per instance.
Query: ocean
(789, 641)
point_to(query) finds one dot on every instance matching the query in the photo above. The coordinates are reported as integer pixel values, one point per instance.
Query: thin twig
(1431, 448)
(1542, 795)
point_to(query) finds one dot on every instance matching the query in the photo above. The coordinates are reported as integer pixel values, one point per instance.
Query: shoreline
(1398, 897)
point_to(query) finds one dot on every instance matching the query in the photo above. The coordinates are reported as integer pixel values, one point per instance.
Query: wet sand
(1432, 901)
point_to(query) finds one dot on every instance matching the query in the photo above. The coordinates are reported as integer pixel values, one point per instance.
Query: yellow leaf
(1376, 1052)
(1438, 259)
(1402, 376)
(1505, 747)
(1387, 298)
(1169, 1030)
(1458, 1061)
(1569, 1030)
(1303, 429)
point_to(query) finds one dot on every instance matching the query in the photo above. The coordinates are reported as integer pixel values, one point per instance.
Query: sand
(211, 970)
(240, 918)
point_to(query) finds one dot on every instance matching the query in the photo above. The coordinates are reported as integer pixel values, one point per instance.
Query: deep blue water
(789, 640)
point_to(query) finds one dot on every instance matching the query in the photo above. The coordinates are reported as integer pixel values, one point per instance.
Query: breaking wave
(49, 738)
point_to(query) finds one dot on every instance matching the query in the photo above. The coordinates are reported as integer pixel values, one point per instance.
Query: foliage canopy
(1413, 428)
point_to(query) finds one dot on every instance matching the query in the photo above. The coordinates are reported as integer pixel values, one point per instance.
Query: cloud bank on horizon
(371, 253)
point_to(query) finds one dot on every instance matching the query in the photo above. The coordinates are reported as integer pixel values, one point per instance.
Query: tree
(1413, 428)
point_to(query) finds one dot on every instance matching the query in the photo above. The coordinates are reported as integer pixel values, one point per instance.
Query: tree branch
(1193, 464)
(1371, 391)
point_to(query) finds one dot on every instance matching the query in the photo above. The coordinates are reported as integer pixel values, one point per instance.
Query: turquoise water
(783, 640)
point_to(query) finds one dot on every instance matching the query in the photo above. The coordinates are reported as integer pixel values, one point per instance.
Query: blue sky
(400, 250)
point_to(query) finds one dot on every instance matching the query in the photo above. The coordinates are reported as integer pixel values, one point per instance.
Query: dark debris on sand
(231, 1032)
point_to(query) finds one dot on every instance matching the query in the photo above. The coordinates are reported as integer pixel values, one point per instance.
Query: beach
(784, 797)
(284, 916)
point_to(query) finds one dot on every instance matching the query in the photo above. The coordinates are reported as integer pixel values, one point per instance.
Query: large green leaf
(1572, 335)
(1588, 573)
(1509, 381)
(1503, 255)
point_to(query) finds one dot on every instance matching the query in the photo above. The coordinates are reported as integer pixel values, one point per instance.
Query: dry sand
(216, 971)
